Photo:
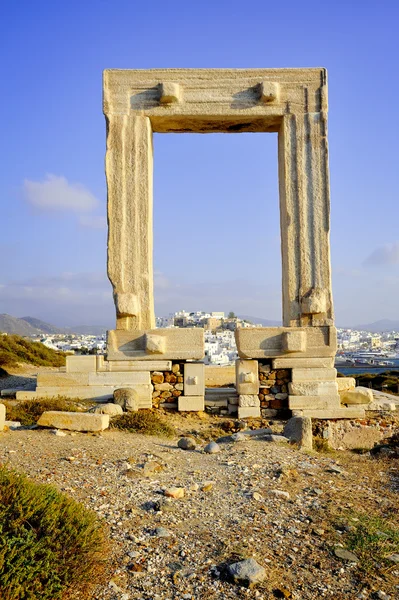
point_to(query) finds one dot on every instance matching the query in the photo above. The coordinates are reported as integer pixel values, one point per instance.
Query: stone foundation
(273, 389)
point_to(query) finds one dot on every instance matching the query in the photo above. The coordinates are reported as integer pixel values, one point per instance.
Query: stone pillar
(305, 219)
(129, 167)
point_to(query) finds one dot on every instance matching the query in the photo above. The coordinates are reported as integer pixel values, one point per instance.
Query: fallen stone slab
(360, 395)
(108, 409)
(73, 421)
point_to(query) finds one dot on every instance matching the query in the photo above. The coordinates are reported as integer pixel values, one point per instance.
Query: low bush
(49, 544)
(145, 422)
(15, 349)
(29, 411)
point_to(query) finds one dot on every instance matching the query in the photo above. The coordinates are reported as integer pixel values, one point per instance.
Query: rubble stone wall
(168, 385)
(273, 388)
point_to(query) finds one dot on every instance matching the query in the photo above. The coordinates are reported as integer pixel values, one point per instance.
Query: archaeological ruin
(289, 367)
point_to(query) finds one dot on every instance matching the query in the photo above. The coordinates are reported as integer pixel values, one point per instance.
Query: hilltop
(29, 326)
(15, 350)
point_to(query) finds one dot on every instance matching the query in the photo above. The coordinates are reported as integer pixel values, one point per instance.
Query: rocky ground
(289, 510)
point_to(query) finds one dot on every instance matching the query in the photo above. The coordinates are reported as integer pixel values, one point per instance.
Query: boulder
(127, 398)
(73, 421)
(186, 444)
(360, 395)
(212, 448)
(299, 430)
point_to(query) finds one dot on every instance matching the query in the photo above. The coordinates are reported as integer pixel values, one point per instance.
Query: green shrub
(49, 543)
(14, 349)
(29, 411)
(145, 422)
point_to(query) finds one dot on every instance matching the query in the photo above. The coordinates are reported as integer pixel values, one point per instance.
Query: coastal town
(355, 347)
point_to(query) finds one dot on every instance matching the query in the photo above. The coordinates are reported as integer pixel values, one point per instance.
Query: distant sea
(365, 369)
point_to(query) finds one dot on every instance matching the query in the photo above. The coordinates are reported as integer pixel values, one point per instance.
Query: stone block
(294, 341)
(314, 402)
(110, 409)
(315, 302)
(313, 388)
(267, 342)
(346, 383)
(247, 376)
(81, 364)
(74, 421)
(2, 416)
(299, 430)
(124, 379)
(194, 379)
(336, 413)
(181, 344)
(248, 400)
(137, 365)
(170, 92)
(62, 379)
(155, 344)
(246, 412)
(359, 395)
(191, 403)
(127, 399)
(289, 362)
(313, 375)
(269, 91)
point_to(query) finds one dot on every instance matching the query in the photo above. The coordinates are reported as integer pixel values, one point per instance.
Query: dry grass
(49, 544)
(145, 421)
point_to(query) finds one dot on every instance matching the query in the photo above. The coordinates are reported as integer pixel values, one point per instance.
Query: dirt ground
(232, 509)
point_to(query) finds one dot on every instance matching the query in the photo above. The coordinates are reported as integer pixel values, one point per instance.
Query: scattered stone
(238, 437)
(344, 554)
(12, 425)
(194, 487)
(207, 486)
(161, 532)
(163, 505)
(277, 439)
(58, 432)
(258, 497)
(109, 409)
(382, 595)
(174, 492)
(280, 493)
(186, 443)
(246, 572)
(394, 558)
(333, 469)
(212, 448)
(151, 467)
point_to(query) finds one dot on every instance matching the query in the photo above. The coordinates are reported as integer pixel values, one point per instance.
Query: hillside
(15, 349)
(379, 326)
(41, 326)
(29, 326)
(9, 324)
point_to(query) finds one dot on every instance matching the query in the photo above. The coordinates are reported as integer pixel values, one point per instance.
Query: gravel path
(241, 513)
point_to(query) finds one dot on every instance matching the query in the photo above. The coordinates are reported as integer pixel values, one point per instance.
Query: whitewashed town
(355, 347)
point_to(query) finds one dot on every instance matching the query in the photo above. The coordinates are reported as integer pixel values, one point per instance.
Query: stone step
(337, 413)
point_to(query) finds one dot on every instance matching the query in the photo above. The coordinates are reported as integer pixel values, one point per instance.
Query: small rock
(161, 532)
(109, 409)
(258, 497)
(186, 443)
(238, 437)
(333, 469)
(174, 492)
(12, 425)
(280, 493)
(345, 554)
(58, 432)
(194, 487)
(207, 486)
(277, 439)
(151, 467)
(212, 448)
(382, 595)
(394, 558)
(246, 572)
(163, 505)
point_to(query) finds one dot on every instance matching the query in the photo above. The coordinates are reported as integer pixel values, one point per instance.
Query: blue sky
(216, 201)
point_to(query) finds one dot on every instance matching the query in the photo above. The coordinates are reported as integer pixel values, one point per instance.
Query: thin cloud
(56, 193)
(93, 221)
(383, 255)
